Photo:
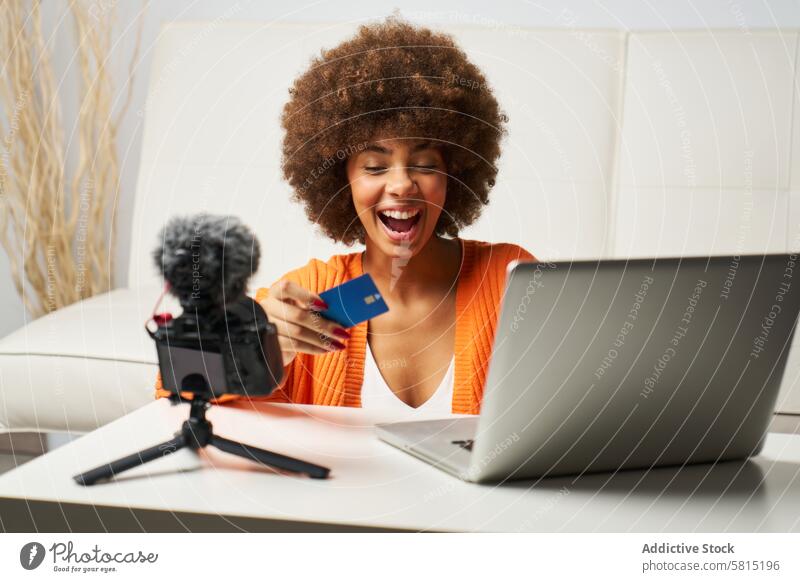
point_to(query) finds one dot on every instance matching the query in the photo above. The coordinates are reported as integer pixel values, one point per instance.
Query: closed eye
(381, 169)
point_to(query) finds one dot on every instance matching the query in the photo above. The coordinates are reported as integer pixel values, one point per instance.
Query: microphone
(207, 260)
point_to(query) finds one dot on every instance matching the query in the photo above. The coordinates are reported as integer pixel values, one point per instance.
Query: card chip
(369, 299)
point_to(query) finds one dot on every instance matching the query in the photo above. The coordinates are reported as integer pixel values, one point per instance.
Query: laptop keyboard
(465, 444)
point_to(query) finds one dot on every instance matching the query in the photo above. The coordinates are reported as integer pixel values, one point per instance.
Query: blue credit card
(352, 302)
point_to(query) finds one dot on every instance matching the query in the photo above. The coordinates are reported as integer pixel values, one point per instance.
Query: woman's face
(399, 188)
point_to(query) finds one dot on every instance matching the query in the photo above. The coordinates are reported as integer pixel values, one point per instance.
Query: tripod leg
(129, 462)
(269, 458)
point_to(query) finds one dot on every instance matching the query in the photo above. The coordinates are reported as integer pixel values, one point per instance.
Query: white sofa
(619, 144)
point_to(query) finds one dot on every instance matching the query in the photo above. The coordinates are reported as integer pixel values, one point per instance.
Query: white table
(372, 485)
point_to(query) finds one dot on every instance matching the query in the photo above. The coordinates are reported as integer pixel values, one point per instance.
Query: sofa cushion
(80, 367)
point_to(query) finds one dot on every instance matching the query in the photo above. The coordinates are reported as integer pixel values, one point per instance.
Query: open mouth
(400, 225)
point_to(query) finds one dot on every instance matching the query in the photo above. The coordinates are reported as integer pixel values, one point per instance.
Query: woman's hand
(294, 311)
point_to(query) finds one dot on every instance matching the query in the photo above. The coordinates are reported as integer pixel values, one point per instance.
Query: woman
(391, 140)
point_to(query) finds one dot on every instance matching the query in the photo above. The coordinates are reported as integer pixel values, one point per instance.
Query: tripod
(197, 433)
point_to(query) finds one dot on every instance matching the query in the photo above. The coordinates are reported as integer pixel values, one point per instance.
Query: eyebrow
(382, 150)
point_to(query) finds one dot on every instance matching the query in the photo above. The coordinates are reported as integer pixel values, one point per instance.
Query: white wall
(618, 14)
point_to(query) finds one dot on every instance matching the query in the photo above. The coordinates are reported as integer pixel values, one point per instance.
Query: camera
(222, 342)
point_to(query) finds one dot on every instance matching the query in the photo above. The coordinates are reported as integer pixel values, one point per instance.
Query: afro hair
(398, 80)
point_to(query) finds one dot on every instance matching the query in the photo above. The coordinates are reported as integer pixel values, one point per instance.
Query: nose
(399, 182)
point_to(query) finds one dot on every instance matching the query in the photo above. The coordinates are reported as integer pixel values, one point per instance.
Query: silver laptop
(623, 364)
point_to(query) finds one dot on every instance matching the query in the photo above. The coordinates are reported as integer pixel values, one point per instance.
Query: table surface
(374, 485)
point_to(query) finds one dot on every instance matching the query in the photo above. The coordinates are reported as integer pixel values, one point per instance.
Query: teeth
(402, 214)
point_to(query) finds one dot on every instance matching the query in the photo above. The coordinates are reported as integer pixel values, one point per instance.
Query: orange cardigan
(335, 378)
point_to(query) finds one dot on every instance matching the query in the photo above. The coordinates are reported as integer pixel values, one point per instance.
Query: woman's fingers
(295, 331)
(295, 313)
(285, 290)
(281, 311)
(290, 347)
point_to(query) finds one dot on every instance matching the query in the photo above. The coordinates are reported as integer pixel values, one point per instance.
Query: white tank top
(376, 394)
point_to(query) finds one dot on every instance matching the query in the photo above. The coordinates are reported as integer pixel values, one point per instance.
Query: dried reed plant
(59, 236)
